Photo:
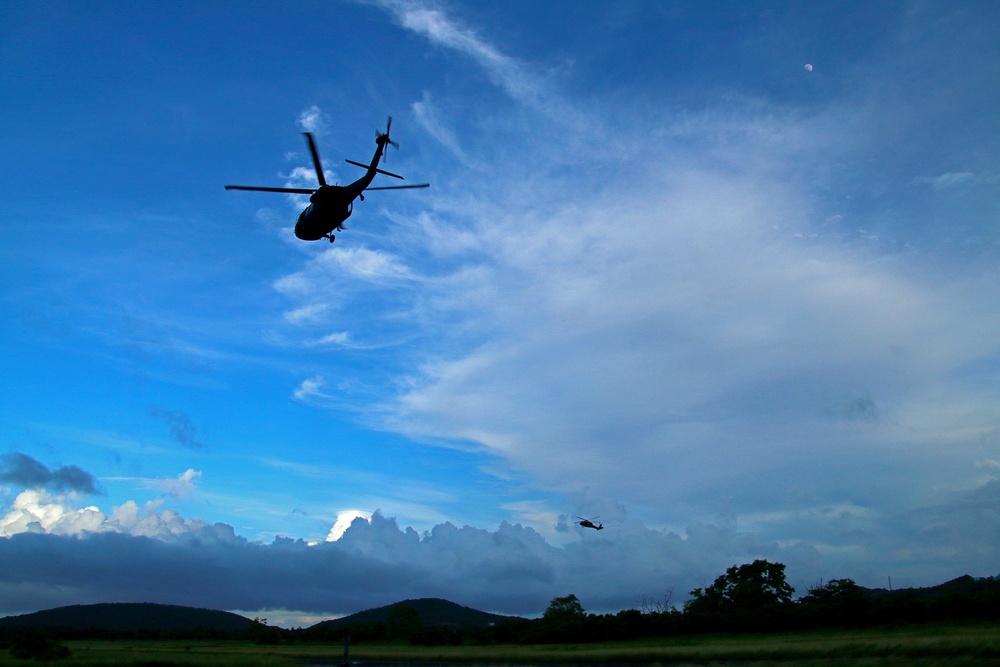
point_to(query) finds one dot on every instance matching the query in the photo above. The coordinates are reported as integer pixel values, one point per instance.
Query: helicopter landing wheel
(331, 237)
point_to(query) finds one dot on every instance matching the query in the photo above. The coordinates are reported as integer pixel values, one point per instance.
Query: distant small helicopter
(331, 205)
(589, 523)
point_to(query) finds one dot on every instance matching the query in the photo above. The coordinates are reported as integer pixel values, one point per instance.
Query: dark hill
(961, 586)
(432, 611)
(129, 617)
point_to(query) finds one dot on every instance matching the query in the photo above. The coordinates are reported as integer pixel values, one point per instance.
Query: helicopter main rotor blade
(297, 191)
(399, 187)
(381, 171)
(316, 160)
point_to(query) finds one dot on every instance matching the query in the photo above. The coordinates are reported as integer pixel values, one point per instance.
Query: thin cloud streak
(509, 74)
(427, 115)
(441, 30)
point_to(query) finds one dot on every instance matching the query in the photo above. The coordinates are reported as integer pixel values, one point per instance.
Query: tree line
(753, 597)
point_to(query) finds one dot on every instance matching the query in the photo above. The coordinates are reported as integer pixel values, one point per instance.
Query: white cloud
(308, 314)
(305, 177)
(150, 522)
(183, 486)
(344, 520)
(34, 510)
(949, 180)
(313, 120)
(365, 264)
(321, 282)
(341, 338)
(314, 391)
(310, 388)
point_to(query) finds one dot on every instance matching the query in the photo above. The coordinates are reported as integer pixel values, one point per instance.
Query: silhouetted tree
(647, 605)
(753, 596)
(839, 602)
(262, 633)
(563, 620)
(567, 608)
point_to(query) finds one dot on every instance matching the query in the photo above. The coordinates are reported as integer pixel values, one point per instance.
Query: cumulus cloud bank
(512, 569)
(155, 555)
(151, 553)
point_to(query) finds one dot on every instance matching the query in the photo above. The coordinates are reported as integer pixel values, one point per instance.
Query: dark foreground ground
(923, 646)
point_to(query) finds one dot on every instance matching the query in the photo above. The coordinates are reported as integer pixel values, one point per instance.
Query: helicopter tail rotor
(382, 138)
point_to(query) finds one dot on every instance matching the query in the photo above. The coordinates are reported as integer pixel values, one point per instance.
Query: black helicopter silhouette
(589, 523)
(331, 205)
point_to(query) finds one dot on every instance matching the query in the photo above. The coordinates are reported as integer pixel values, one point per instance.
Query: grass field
(969, 645)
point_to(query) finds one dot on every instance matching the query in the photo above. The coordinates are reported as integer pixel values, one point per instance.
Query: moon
(809, 67)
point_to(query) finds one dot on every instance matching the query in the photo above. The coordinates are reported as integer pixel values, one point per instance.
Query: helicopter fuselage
(331, 205)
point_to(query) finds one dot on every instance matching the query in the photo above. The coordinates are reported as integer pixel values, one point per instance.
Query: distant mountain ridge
(130, 617)
(432, 611)
(965, 584)
(143, 617)
(150, 617)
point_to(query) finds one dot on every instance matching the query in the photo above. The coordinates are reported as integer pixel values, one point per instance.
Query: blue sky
(724, 274)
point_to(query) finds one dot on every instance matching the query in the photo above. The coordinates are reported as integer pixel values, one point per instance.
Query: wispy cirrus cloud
(514, 77)
(182, 486)
(427, 115)
(308, 314)
(329, 270)
(441, 29)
